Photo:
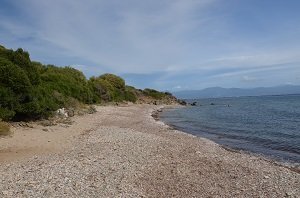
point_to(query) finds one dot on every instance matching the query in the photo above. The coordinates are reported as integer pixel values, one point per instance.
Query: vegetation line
(31, 90)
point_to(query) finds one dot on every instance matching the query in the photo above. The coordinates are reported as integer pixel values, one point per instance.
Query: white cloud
(138, 36)
(249, 79)
(177, 87)
(131, 36)
(170, 37)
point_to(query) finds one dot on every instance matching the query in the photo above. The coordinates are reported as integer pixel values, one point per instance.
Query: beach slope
(124, 152)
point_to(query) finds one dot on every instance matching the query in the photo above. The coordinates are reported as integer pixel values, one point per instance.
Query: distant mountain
(217, 92)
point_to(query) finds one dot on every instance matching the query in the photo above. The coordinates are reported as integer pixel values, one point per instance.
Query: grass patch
(4, 129)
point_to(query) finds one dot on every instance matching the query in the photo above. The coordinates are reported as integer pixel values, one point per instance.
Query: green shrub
(13, 77)
(168, 93)
(116, 81)
(102, 89)
(154, 94)
(130, 94)
(66, 80)
(4, 129)
(6, 114)
(118, 95)
(71, 102)
(8, 99)
(31, 90)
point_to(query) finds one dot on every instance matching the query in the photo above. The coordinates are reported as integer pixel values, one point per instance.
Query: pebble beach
(124, 152)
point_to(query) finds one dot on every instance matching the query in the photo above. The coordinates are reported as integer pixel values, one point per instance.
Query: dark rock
(194, 104)
(71, 112)
(66, 121)
(80, 112)
(24, 124)
(155, 115)
(47, 123)
(92, 110)
(181, 102)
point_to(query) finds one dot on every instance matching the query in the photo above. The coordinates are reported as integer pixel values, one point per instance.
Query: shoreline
(290, 165)
(123, 151)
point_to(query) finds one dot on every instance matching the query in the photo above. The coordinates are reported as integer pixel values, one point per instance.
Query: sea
(263, 125)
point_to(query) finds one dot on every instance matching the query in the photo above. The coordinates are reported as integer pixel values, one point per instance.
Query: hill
(216, 92)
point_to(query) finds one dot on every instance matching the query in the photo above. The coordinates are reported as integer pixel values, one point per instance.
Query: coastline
(292, 166)
(123, 151)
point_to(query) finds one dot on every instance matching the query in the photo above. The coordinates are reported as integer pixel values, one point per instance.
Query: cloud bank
(163, 44)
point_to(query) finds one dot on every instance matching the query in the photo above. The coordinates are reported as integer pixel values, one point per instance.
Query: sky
(163, 44)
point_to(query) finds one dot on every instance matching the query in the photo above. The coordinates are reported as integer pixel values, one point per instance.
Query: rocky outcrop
(194, 104)
(181, 102)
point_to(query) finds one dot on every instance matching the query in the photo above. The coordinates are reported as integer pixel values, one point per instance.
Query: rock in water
(194, 104)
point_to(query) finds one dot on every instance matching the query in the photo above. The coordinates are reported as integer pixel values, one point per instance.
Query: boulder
(62, 113)
(181, 102)
(71, 112)
(92, 109)
(194, 104)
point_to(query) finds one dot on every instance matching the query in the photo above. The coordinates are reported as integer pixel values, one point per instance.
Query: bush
(6, 114)
(116, 81)
(108, 87)
(168, 93)
(67, 81)
(102, 89)
(8, 101)
(154, 94)
(30, 90)
(13, 77)
(130, 94)
(4, 129)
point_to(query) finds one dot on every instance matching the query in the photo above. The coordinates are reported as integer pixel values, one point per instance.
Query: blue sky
(163, 44)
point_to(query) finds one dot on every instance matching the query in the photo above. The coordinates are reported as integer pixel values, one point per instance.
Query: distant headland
(218, 92)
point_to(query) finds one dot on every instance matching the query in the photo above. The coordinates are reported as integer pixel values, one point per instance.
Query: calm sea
(267, 125)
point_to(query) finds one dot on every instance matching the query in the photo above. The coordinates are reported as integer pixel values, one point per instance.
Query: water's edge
(295, 167)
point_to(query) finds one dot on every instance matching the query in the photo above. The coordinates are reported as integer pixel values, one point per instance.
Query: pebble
(130, 155)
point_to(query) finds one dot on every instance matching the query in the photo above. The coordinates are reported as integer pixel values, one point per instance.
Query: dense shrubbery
(154, 94)
(30, 90)
(109, 87)
(130, 94)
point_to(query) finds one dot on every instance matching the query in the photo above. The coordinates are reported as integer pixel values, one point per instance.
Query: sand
(124, 152)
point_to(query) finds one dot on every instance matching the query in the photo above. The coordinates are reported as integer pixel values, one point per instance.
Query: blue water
(267, 125)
